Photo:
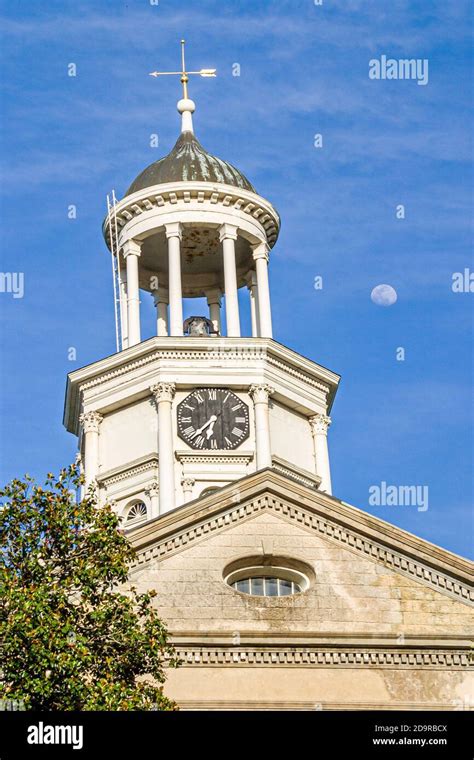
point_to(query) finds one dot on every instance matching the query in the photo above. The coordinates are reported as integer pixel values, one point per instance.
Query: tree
(75, 635)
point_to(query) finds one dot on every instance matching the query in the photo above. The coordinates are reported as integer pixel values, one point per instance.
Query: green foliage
(75, 635)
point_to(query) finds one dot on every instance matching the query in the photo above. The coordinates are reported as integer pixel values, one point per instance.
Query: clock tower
(211, 444)
(200, 405)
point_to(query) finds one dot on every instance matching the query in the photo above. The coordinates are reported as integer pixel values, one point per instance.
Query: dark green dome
(189, 162)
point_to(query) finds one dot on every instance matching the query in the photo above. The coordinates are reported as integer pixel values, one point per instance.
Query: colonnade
(169, 301)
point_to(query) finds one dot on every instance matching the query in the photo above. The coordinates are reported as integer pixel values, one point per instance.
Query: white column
(260, 255)
(90, 422)
(174, 235)
(80, 460)
(131, 252)
(123, 304)
(163, 394)
(188, 485)
(253, 294)
(260, 395)
(319, 428)
(152, 491)
(162, 313)
(228, 236)
(160, 298)
(214, 300)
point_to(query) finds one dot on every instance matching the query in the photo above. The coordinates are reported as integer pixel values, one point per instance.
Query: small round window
(136, 512)
(267, 581)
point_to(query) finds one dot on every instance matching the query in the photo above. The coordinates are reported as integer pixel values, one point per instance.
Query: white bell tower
(165, 420)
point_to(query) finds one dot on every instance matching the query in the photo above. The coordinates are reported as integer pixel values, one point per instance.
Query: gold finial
(183, 73)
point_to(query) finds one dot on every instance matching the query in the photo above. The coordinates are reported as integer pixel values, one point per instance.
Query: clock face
(213, 418)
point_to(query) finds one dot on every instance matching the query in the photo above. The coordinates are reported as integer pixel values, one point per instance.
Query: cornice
(163, 350)
(289, 470)
(138, 466)
(188, 456)
(321, 640)
(160, 198)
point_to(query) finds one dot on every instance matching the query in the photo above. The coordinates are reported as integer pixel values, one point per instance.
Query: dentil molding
(323, 658)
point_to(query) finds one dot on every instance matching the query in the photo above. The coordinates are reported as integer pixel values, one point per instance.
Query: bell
(197, 327)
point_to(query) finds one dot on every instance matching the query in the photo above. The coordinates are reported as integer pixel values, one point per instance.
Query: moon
(384, 295)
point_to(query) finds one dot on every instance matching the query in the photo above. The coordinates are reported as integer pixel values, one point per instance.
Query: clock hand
(210, 430)
(210, 421)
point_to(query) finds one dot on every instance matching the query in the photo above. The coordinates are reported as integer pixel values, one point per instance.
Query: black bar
(154, 734)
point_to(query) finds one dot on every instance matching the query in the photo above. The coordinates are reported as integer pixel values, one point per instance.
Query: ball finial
(186, 108)
(186, 104)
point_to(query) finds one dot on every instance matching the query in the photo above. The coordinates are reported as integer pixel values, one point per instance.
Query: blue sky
(304, 70)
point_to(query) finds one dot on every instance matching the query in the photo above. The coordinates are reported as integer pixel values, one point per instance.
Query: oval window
(268, 580)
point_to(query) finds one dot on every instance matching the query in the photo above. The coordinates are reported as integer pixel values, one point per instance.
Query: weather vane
(183, 73)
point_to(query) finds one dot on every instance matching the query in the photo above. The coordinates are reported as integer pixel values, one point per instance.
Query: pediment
(316, 513)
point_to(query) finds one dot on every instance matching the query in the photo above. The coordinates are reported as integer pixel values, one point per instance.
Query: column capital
(251, 279)
(261, 392)
(160, 295)
(174, 229)
(152, 488)
(90, 421)
(214, 295)
(163, 391)
(187, 483)
(227, 232)
(131, 248)
(261, 251)
(319, 424)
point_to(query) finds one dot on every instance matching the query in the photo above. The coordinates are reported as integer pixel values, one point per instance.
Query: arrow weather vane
(183, 73)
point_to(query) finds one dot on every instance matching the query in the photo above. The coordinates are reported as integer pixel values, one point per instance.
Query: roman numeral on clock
(237, 432)
(212, 394)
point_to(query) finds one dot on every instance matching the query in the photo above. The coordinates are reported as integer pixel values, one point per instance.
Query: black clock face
(213, 418)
